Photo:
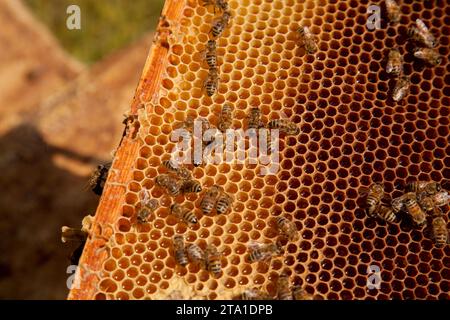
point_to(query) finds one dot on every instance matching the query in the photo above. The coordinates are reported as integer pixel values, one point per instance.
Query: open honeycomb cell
(351, 135)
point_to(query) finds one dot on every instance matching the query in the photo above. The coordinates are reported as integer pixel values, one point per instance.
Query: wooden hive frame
(109, 208)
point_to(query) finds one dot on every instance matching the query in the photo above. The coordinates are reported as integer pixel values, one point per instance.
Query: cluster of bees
(218, 26)
(265, 252)
(179, 181)
(420, 201)
(208, 259)
(421, 36)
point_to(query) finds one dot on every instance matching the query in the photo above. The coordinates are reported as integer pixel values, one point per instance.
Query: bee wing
(253, 245)
(363, 191)
(421, 26)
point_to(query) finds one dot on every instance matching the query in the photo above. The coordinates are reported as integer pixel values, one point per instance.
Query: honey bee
(374, 196)
(98, 178)
(430, 56)
(181, 171)
(308, 39)
(385, 213)
(285, 126)
(283, 291)
(226, 117)
(421, 34)
(441, 198)
(191, 186)
(221, 5)
(195, 254)
(143, 214)
(224, 202)
(395, 62)
(287, 228)
(179, 249)
(397, 204)
(183, 213)
(254, 119)
(423, 186)
(169, 183)
(393, 11)
(212, 258)
(426, 203)
(212, 82)
(414, 210)
(210, 198)
(263, 251)
(211, 54)
(220, 24)
(440, 232)
(401, 89)
(147, 206)
(254, 294)
(300, 294)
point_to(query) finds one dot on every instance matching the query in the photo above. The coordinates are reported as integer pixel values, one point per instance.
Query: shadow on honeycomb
(352, 134)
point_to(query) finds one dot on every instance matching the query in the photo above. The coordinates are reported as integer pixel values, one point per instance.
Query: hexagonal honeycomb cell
(351, 135)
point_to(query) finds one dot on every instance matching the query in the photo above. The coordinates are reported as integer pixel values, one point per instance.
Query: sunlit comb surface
(351, 134)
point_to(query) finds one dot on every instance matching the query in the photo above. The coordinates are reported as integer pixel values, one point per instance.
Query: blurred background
(63, 94)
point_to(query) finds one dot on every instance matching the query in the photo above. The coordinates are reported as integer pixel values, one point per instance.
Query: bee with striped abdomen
(210, 198)
(374, 197)
(224, 202)
(440, 232)
(430, 56)
(212, 82)
(421, 34)
(169, 183)
(287, 228)
(226, 117)
(283, 290)
(211, 54)
(413, 209)
(191, 186)
(196, 254)
(212, 258)
(183, 213)
(179, 250)
(221, 5)
(394, 64)
(393, 11)
(308, 39)
(385, 213)
(401, 88)
(254, 119)
(263, 251)
(285, 126)
(423, 186)
(220, 24)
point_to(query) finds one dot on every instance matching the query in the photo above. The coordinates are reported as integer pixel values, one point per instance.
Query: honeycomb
(351, 135)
